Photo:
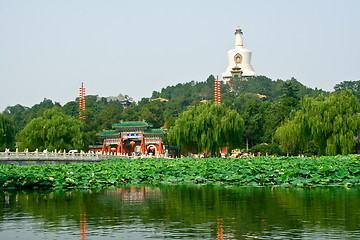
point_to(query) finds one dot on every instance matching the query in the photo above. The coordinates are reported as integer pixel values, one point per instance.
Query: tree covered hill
(262, 103)
(256, 85)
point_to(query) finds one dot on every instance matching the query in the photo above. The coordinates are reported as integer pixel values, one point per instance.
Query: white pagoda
(239, 57)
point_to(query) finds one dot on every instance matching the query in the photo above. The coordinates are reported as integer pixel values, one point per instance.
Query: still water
(182, 212)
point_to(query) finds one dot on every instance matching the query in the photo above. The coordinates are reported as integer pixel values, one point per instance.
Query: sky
(48, 47)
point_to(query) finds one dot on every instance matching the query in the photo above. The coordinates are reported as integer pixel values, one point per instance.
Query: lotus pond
(259, 171)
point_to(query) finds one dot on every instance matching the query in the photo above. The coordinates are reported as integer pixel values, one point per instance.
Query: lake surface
(182, 212)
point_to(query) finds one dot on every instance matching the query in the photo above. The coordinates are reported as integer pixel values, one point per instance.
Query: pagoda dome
(239, 56)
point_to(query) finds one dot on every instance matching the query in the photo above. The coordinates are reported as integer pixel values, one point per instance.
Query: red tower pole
(82, 102)
(218, 88)
(215, 91)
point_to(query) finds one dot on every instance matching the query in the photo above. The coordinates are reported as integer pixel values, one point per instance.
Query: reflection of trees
(225, 213)
(310, 205)
(250, 211)
(99, 208)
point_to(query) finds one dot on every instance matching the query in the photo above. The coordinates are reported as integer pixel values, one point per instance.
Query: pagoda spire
(238, 38)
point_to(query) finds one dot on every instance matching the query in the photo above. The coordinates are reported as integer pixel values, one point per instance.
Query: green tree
(71, 108)
(110, 115)
(152, 112)
(17, 114)
(290, 98)
(7, 132)
(91, 126)
(288, 135)
(21, 115)
(54, 130)
(254, 120)
(131, 113)
(331, 122)
(207, 127)
(275, 113)
(38, 109)
(354, 86)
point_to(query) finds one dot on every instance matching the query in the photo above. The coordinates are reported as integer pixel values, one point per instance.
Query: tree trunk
(287, 151)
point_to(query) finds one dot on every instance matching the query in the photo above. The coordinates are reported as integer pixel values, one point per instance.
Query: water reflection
(82, 223)
(182, 212)
(134, 195)
(220, 229)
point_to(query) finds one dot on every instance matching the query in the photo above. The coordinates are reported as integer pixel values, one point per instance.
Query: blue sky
(47, 48)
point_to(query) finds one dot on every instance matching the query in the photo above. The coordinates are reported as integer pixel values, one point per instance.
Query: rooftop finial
(238, 30)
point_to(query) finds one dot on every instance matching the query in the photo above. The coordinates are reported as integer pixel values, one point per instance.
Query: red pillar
(161, 147)
(103, 148)
(142, 145)
(121, 144)
(118, 148)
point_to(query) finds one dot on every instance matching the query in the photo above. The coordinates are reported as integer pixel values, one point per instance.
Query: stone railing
(55, 157)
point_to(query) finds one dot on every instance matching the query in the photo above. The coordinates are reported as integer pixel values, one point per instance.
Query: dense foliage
(331, 122)
(21, 115)
(207, 127)
(339, 170)
(54, 130)
(353, 86)
(7, 132)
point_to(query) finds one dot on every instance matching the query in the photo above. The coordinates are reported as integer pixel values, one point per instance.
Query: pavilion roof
(108, 133)
(133, 124)
(157, 131)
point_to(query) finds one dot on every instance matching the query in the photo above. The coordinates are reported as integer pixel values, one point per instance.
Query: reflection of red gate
(134, 195)
(220, 230)
(82, 224)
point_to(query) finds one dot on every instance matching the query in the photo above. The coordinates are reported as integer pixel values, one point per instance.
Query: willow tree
(54, 130)
(7, 132)
(288, 135)
(331, 122)
(207, 127)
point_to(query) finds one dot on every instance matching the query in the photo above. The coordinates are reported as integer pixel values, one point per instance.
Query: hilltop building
(124, 100)
(160, 99)
(239, 60)
(133, 137)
